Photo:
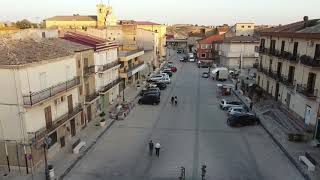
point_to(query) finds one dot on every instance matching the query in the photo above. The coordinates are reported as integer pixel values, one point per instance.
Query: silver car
(225, 105)
(236, 110)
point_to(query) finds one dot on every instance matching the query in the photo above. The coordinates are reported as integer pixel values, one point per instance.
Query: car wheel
(225, 108)
(139, 102)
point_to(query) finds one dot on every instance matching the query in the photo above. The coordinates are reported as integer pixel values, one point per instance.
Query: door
(279, 69)
(311, 82)
(48, 117)
(73, 127)
(277, 92)
(295, 49)
(62, 141)
(288, 100)
(291, 74)
(70, 104)
(89, 113)
(307, 116)
(82, 119)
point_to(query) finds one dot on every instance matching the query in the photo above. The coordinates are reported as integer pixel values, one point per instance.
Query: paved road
(191, 134)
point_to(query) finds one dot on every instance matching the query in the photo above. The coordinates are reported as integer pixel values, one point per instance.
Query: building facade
(205, 49)
(41, 99)
(241, 29)
(238, 52)
(289, 68)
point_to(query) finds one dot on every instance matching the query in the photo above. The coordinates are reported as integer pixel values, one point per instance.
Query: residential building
(238, 52)
(41, 98)
(289, 68)
(161, 30)
(193, 37)
(241, 29)
(205, 48)
(103, 18)
(105, 68)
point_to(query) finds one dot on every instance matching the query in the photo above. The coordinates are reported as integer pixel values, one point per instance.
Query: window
(249, 26)
(203, 55)
(78, 63)
(43, 34)
(209, 46)
(283, 44)
(242, 26)
(317, 52)
(295, 48)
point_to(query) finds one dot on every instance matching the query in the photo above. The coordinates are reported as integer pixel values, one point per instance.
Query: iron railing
(309, 61)
(102, 68)
(36, 97)
(307, 91)
(110, 85)
(286, 81)
(89, 70)
(91, 97)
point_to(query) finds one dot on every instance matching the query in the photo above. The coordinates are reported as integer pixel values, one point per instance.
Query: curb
(65, 173)
(287, 154)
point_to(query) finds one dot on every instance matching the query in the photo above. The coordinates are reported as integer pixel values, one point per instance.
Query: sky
(201, 12)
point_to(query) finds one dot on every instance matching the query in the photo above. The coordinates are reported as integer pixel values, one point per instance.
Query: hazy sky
(206, 12)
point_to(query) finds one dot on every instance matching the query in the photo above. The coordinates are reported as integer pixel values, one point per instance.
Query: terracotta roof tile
(211, 39)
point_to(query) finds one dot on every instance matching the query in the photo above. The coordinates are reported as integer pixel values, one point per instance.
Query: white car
(166, 80)
(164, 75)
(157, 77)
(236, 110)
(225, 105)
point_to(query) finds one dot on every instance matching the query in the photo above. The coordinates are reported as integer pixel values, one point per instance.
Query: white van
(220, 73)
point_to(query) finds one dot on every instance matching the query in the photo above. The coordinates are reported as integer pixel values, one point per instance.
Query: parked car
(168, 72)
(237, 110)
(170, 62)
(225, 105)
(240, 120)
(161, 86)
(156, 77)
(205, 75)
(182, 59)
(179, 51)
(174, 69)
(166, 80)
(154, 90)
(204, 65)
(150, 98)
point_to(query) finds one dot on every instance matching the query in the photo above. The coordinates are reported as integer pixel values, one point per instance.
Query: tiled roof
(211, 39)
(146, 23)
(97, 43)
(301, 29)
(69, 45)
(241, 39)
(21, 52)
(72, 18)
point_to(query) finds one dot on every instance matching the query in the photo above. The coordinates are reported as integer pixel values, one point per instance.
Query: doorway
(73, 127)
(288, 100)
(62, 141)
(277, 92)
(70, 104)
(89, 113)
(48, 117)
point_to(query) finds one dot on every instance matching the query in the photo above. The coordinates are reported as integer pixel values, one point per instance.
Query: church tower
(105, 16)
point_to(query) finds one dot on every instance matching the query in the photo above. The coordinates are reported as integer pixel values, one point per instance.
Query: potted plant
(102, 122)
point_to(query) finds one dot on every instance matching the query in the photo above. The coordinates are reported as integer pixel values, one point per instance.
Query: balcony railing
(273, 75)
(110, 85)
(58, 122)
(129, 53)
(308, 92)
(285, 80)
(88, 70)
(309, 61)
(91, 97)
(102, 68)
(289, 56)
(36, 97)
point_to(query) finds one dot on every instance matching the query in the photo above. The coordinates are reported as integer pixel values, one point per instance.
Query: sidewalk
(64, 160)
(279, 135)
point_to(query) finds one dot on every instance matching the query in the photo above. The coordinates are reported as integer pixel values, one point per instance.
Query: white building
(238, 51)
(241, 29)
(41, 95)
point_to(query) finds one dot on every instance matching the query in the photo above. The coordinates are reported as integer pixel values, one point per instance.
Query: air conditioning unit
(310, 43)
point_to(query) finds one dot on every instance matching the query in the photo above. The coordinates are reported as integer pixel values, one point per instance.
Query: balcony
(274, 75)
(285, 81)
(306, 91)
(131, 70)
(90, 98)
(309, 61)
(36, 97)
(87, 71)
(128, 55)
(102, 68)
(289, 56)
(106, 88)
(57, 123)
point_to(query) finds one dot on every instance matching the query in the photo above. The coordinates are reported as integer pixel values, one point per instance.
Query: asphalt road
(191, 134)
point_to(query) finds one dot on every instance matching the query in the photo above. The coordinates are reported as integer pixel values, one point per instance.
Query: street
(192, 134)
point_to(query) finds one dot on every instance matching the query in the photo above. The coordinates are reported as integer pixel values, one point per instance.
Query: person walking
(176, 100)
(172, 100)
(157, 147)
(151, 145)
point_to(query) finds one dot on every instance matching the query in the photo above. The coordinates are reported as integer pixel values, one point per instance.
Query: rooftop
(72, 18)
(241, 39)
(146, 23)
(22, 52)
(97, 43)
(211, 39)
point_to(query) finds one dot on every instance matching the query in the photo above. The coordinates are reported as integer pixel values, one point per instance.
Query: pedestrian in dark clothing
(176, 100)
(151, 145)
(172, 100)
(157, 147)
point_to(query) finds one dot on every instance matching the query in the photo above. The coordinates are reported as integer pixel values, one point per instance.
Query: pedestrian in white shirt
(157, 147)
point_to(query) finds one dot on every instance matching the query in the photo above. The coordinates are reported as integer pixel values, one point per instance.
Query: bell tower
(102, 12)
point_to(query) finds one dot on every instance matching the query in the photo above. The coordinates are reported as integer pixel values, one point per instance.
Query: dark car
(152, 99)
(205, 75)
(179, 51)
(240, 120)
(150, 91)
(161, 86)
(168, 72)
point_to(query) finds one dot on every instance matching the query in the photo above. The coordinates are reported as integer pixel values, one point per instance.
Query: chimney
(306, 21)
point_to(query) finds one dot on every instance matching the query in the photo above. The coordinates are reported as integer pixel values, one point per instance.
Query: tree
(24, 24)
